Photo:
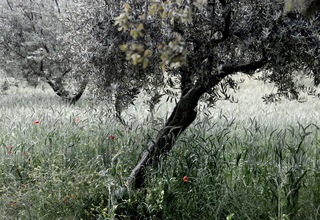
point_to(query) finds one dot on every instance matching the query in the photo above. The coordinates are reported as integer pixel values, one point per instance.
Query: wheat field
(244, 160)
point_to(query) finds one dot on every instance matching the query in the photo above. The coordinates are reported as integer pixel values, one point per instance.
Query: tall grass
(247, 172)
(68, 167)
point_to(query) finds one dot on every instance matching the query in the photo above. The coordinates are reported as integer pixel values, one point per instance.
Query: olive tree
(46, 40)
(201, 43)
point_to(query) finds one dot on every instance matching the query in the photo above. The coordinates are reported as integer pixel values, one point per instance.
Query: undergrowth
(63, 162)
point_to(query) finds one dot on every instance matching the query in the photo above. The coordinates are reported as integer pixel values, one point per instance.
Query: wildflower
(77, 120)
(185, 179)
(111, 137)
(13, 204)
(24, 154)
(65, 200)
(9, 149)
(36, 122)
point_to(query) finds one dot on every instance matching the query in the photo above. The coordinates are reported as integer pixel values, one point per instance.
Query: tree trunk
(182, 116)
(60, 90)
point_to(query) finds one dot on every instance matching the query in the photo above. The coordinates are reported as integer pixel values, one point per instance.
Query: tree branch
(223, 3)
(225, 31)
(66, 71)
(15, 51)
(227, 23)
(59, 11)
(230, 70)
(247, 68)
(9, 4)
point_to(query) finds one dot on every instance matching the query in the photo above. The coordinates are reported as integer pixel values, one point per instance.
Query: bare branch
(56, 1)
(9, 4)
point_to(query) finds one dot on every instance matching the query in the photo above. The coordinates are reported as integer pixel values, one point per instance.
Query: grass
(243, 161)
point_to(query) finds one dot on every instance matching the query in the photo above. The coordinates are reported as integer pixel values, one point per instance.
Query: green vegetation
(68, 166)
(192, 146)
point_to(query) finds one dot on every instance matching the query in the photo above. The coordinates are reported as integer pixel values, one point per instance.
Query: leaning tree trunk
(182, 116)
(61, 91)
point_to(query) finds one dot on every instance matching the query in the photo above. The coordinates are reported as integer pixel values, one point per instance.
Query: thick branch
(230, 70)
(60, 90)
(225, 32)
(66, 71)
(186, 81)
(227, 23)
(247, 68)
(56, 1)
(76, 97)
(15, 51)
(9, 4)
(223, 3)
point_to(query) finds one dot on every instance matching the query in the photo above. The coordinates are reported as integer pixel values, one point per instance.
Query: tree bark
(182, 116)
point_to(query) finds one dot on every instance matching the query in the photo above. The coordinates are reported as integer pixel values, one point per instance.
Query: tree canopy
(198, 41)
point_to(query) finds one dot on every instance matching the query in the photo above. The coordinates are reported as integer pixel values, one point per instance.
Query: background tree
(307, 7)
(201, 43)
(46, 40)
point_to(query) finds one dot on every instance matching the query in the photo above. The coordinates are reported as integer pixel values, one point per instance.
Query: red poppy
(24, 154)
(111, 137)
(185, 179)
(9, 149)
(77, 120)
(36, 122)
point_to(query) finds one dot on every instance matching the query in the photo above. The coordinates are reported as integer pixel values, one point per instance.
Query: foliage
(114, 74)
(197, 40)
